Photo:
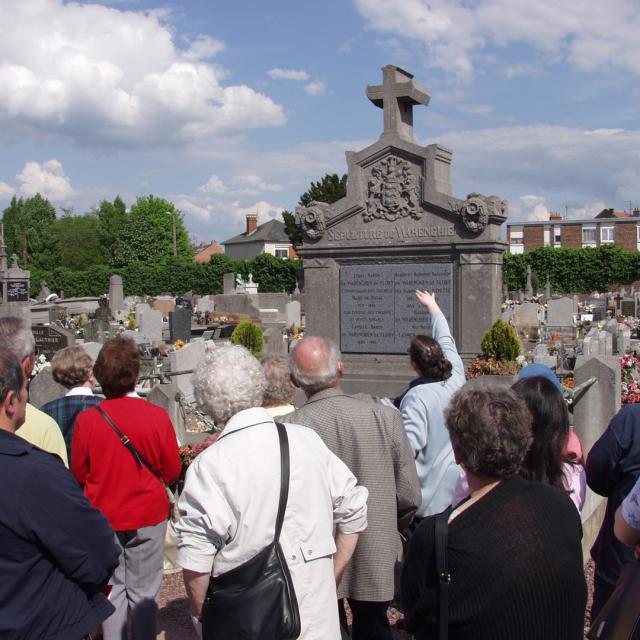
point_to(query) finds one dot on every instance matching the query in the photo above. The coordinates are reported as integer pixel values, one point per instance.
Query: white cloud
(265, 211)
(315, 88)
(589, 34)
(599, 164)
(48, 179)
(212, 185)
(528, 207)
(189, 207)
(476, 109)
(250, 185)
(96, 73)
(6, 191)
(288, 74)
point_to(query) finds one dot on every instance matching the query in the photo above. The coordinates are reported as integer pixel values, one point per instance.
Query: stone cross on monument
(397, 95)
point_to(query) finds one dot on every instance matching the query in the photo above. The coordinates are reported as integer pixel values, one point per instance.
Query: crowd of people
(485, 484)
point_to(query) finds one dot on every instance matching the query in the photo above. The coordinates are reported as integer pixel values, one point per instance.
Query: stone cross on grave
(397, 95)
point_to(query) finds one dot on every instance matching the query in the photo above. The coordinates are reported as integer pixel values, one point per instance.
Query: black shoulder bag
(441, 537)
(174, 514)
(256, 600)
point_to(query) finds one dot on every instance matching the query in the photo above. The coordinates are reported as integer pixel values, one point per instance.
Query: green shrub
(250, 336)
(501, 342)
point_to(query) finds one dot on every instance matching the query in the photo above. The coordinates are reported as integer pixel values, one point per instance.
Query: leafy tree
(112, 220)
(30, 232)
(330, 189)
(79, 241)
(148, 236)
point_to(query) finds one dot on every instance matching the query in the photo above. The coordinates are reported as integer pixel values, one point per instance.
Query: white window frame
(589, 243)
(557, 236)
(546, 237)
(276, 249)
(610, 236)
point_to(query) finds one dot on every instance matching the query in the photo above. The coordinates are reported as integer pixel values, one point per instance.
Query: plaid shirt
(65, 411)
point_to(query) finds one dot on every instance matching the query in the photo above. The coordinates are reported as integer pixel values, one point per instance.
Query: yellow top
(43, 431)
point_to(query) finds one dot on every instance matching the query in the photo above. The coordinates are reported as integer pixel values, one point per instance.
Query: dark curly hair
(490, 431)
(427, 355)
(117, 367)
(550, 430)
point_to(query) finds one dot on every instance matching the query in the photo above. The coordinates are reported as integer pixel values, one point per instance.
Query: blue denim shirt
(422, 409)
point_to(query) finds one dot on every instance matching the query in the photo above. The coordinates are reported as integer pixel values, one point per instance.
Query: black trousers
(369, 620)
(602, 591)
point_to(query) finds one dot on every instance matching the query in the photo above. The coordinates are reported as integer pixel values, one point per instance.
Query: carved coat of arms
(392, 191)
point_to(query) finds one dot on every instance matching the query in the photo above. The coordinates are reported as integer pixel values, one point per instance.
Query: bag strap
(138, 457)
(284, 478)
(441, 535)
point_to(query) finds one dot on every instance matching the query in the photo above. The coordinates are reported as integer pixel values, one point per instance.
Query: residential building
(203, 252)
(620, 228)
(269, 237)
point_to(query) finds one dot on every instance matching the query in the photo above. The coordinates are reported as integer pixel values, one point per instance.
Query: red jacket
(129, 496)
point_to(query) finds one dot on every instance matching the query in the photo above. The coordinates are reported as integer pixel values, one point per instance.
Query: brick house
(620, 228)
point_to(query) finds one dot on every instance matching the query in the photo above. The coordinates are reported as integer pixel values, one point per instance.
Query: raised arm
(441, 332)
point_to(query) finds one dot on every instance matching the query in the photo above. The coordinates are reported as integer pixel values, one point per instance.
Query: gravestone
(529, 282)
(180, 325)
(116, 293)
(560, 312)
(228, 283)
(624, 339)
(206, 303)
(541, 356)
(605, 343)
(141, 307)
(612, 327)
(44, 292)
(164, 395)
(293, 314)
(43, 388)
(187, 359)
(628, 307)
(51, 338)
(590, 344)
(92, 348)
(599, 308)
(399, 228)
(526, 314)
(151, 325)
(97, 331)
(251, 286)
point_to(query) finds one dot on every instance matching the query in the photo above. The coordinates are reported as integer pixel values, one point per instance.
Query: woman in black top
(514, 549)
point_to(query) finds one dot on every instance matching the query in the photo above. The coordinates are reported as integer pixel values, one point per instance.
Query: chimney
(636, 213)
(555, 215)
(252, 223)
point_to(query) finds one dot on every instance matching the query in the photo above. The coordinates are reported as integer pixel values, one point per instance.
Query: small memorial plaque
(379, 311)
(180, 325)
(50, 339)
(17, 291)
(628, 308)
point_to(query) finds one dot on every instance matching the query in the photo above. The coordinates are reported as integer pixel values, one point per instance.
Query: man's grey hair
(324, 377)
(280, 389)
(15, 335)
(228, 380)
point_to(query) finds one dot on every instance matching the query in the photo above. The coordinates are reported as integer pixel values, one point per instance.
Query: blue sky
(231, 108)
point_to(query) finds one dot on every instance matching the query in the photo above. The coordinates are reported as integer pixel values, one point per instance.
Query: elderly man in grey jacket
(370, 439)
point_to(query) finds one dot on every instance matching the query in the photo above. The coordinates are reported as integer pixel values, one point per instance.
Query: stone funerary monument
(399, 229)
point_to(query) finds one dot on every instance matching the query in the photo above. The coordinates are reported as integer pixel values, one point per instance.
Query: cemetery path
(174, 622)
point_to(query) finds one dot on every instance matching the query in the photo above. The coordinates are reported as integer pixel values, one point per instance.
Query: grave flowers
(630, 388)
(188, 452)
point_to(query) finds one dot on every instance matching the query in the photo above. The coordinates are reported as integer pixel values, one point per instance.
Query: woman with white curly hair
(231, 494)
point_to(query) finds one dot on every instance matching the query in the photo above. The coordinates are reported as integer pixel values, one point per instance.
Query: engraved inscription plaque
(379, 312)
(17, 291)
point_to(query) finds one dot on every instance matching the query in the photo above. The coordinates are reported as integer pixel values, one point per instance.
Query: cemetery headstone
(599, 308)
(180, 325)
(399, 228)
(92, 348)
(116, 293)
(103, 313)
(560, 312)
(187, 359)
(51, 338)
(205, 303)
(141, 307)
(624, 339)
(228, 283)
(251, 286)
(43, 388)
(605, 343)
(526, 314)
(151, 325)
(44, 292)
(293, 314)
(628, 307)
(541, 356)
(529, 282)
